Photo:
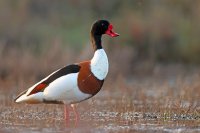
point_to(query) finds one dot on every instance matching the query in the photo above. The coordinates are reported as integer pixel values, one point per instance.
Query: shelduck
(76, 82)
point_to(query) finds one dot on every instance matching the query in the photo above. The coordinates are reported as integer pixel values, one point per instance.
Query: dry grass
(139, 94)
(164, 97)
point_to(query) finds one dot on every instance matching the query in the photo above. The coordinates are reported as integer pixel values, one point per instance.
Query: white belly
(65, 89)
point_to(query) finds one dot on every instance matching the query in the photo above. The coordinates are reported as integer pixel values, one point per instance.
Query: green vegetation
(164, 31)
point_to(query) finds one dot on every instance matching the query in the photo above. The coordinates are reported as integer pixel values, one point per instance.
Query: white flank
(99, 64)
(65, 89)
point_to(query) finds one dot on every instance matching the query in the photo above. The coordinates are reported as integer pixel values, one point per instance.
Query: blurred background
(153, 80)
(38, 37)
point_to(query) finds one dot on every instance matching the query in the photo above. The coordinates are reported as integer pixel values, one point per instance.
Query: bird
(76, 82)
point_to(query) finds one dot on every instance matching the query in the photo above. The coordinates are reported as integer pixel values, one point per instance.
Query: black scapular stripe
(62, 72)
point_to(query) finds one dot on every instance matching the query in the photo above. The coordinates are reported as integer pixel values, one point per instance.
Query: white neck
(99, 64)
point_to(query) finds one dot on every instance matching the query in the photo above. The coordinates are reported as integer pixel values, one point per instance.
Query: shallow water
(141, 106)
(104, 113)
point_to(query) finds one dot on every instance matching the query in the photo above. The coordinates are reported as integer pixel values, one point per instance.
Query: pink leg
(66, 111)
(76, 114)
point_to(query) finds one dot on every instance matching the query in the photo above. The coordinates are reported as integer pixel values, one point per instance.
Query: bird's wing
(40, 86)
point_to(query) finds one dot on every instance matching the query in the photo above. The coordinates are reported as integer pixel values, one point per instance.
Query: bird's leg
(66, 113)
(76, 114)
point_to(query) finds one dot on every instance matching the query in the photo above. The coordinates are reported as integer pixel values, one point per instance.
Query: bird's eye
(102, 24)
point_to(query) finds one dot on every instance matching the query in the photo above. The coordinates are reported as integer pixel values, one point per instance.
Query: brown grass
(165, 95)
